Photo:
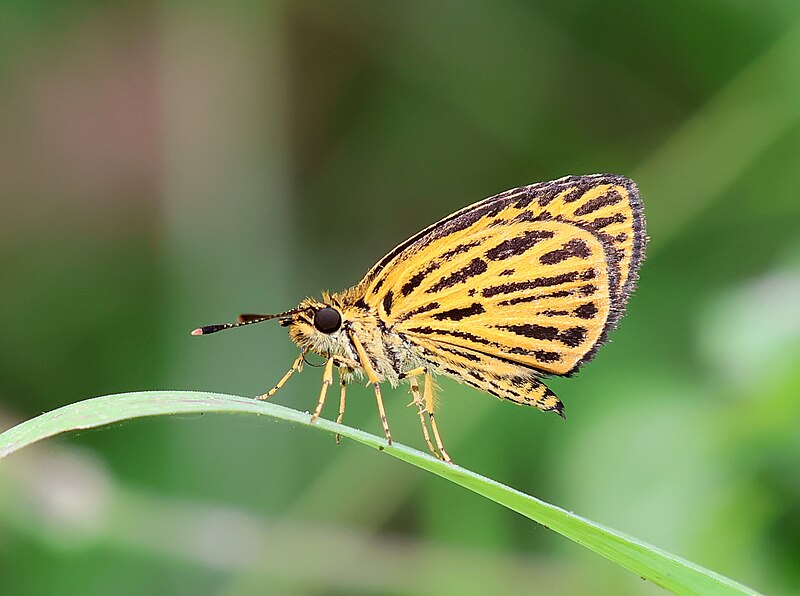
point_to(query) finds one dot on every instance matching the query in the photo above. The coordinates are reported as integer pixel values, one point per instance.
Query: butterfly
(499, 295)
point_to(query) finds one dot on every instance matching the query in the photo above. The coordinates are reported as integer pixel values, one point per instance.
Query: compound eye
(327, 320)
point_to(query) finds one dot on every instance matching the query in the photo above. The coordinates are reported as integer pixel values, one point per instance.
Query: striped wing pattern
(523, 284)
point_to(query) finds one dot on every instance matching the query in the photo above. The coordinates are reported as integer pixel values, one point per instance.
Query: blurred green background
(170, 164)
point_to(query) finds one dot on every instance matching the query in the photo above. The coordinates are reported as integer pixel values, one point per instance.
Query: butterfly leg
(414, 385)
(382, 413)
(327, 381)
(346, 363)
(296, 365)
(429, 405)
(411, 376)
(374, 380)
(342, 394)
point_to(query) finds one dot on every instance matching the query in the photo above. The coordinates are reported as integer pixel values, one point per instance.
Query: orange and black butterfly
(499, 295)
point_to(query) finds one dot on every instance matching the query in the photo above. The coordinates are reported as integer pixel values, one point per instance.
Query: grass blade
(660, 567)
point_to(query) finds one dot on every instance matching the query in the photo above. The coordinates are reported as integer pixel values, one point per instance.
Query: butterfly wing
(528, 281)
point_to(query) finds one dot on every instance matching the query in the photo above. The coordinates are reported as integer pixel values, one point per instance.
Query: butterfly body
(390, 354)
(498, 295)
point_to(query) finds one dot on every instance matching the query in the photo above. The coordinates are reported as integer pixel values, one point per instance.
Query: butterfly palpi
(498, 295)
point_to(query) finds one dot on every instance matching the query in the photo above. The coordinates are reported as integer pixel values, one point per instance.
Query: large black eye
(327, 319)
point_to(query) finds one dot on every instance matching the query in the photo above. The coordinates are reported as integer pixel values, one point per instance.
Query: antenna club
(243, 320)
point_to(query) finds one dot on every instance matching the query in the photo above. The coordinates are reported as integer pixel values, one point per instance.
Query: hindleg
(414, 386)
(429, 407)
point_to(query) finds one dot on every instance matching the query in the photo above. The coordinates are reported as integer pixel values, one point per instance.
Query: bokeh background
(169, 164)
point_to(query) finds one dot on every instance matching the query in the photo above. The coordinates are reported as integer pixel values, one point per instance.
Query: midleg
(342, 394)
(382, 413)
(374, 380)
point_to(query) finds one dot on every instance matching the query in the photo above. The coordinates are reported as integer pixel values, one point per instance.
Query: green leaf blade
(651, 563)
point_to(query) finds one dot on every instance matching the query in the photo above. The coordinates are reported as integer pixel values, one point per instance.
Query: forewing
(539, 296)
(609, 206)
(535, 276)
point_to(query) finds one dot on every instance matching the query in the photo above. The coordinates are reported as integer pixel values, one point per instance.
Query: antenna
(247, 319)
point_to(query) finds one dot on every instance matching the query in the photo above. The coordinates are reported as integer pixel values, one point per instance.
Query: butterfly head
(318, 326)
